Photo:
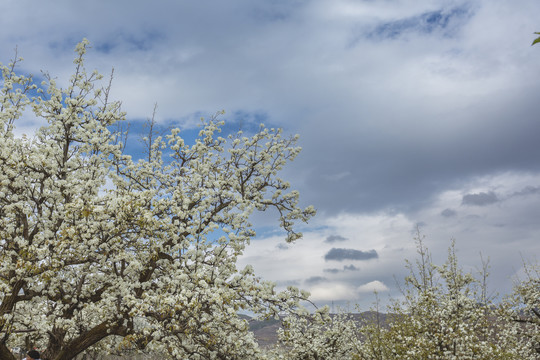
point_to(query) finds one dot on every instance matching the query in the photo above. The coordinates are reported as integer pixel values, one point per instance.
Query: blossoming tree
(445, 313)
(522, 311)
(96, 246)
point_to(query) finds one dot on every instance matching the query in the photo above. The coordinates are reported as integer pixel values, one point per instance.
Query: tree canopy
(96, 247)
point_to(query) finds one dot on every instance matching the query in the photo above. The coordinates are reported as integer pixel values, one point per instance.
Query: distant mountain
(265, 331)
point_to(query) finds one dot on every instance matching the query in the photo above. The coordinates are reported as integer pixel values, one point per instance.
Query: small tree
(522, 312)
(444, 315)
(318, 336)
(96, 246)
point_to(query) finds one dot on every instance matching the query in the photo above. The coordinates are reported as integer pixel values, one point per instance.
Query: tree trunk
(5, 353)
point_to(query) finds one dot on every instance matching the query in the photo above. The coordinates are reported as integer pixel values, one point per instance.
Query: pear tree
(98, 250)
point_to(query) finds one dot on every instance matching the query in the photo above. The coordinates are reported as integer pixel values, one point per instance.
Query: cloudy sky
(411, 113)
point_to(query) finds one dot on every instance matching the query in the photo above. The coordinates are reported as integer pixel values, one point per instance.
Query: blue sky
(410, 112)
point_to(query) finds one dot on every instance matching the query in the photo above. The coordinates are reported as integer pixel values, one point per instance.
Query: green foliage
(537, 40)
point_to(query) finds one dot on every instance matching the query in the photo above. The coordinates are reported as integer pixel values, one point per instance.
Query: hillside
(265, 331)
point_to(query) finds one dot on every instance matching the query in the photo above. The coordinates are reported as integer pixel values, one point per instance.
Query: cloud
(122, 41)
(330, 292)
(350, 268)
(339, 254)
(448, 213)
(372, 286)
(480, 199)
(332, 271)
(315, 280)
(334, 238)
(528, 190)
(445, 20)
(337, 177)
(345, 268)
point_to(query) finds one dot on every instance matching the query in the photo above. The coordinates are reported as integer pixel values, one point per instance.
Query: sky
(411, 114)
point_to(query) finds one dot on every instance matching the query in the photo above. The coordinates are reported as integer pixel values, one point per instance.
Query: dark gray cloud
(332, 271)
(338, 254)
(401, 172)
(315, 280)
(528, 190)
(286, 283)
(345, 268)
(282, 246)
(334, 238)
(480, 199)
(448, 213)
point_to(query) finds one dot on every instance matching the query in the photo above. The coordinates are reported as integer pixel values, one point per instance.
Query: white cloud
(373, 286)
(331, 292)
